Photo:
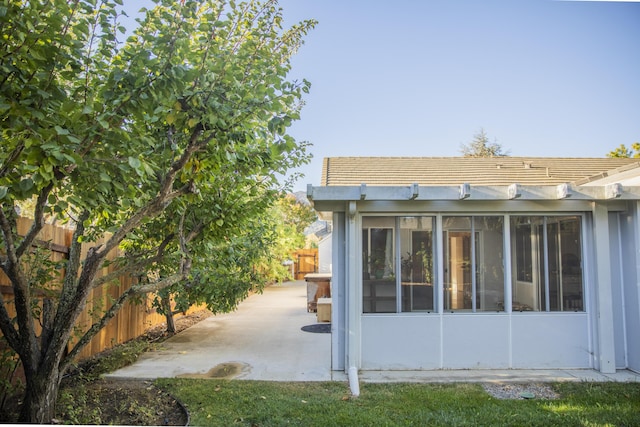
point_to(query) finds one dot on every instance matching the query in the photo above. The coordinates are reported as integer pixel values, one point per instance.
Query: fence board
(305, 262)
(131, 321)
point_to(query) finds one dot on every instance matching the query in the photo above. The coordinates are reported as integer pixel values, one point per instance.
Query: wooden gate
(305, 261)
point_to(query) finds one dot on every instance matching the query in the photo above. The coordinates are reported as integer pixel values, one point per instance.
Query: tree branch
(113, 310)
(10, 159)
(95, 328)
(70, 289)
(131, 268)
(6, 326)
(7, 225)
(165, 195)
(25, 335)
(38, 221)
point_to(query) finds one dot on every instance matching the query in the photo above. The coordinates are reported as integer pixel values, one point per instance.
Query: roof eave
(465, 191)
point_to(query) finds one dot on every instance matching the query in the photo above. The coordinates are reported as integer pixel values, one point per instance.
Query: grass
(257, 403)
(115, 358)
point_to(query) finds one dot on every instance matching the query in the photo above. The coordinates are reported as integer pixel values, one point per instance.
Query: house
(483, 263)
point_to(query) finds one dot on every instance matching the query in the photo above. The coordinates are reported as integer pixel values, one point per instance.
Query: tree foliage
(480, 146)
(177, 132)
(623, 151)
(249, 256)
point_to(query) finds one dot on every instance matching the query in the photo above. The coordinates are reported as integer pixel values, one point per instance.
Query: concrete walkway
(262, 340)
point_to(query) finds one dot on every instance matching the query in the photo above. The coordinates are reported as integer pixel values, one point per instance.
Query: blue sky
(420, 78)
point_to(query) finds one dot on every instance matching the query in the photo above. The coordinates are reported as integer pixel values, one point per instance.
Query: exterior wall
(617, 288)
(630, 244)
(338, 294)
(324, 255)
(475, 341)
(544, 340)
(604, 336)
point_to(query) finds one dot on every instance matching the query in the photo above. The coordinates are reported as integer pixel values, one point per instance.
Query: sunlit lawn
(257, 403)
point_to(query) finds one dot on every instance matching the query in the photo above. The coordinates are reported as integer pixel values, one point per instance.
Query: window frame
(539, 253)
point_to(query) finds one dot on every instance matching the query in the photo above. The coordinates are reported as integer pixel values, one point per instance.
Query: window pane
(554, 280)
(378, 258)
(526, 250)
(553, 254)
(570, 264)
(416, 249)
(489, 265)
(522, 237)
(457, 263)
(541, 279)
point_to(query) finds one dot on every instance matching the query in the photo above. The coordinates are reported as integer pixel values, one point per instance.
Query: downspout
(353, 329)
(354, 385)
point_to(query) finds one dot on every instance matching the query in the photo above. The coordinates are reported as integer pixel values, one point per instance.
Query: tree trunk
(40, 397)
(168, 313)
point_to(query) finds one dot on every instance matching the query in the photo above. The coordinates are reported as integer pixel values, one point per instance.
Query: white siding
(475, 341)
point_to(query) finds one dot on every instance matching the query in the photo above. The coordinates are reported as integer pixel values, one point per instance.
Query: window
(473, 263)
(400, 260)
(378, 269)
(413, 236)
(416, 263)
(547, 263)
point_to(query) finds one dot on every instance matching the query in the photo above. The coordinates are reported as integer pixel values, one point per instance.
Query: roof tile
(434, 171)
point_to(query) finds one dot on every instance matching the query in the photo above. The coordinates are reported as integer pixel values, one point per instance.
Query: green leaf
(26, 185)
(61, 131)
(134, 163)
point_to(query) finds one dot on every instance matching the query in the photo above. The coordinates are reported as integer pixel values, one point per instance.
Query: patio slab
(498, 376)
(263, 340)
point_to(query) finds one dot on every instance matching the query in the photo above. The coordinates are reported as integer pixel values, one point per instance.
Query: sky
(422, 77)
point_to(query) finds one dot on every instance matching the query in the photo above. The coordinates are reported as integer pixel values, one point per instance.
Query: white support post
(604, 303)
(353, 305)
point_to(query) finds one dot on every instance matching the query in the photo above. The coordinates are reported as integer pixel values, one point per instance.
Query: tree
(291, 218)
(250, 255)
(179, 129)
(623, 151)
(481, 147)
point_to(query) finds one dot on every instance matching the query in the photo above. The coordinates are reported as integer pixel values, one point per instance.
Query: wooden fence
(131, 321)
(305, 261)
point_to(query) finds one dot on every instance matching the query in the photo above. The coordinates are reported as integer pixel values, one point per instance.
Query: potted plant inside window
(377, 262)
(406, 267)
(425, 257)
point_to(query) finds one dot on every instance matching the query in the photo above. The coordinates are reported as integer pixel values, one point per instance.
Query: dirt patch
(119, 402)
(86, 400)
(222, 371)
(521, 391)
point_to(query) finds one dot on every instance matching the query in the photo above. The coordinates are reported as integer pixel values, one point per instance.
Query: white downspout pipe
(354, 385)
(353, 327)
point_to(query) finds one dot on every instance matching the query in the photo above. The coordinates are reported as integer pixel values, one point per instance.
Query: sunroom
(493, 263)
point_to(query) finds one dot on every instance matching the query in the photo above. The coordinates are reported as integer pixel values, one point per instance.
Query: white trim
(508, 277)
(606, 343)
(471, 192)
(354, 294)
(622, 293)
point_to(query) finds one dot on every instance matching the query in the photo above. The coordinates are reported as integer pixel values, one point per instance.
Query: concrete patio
(263, 340)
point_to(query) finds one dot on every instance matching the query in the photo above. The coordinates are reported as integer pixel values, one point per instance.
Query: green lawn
(257, 403)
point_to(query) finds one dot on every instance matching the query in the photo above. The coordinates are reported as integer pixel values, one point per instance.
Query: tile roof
(437, 171)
